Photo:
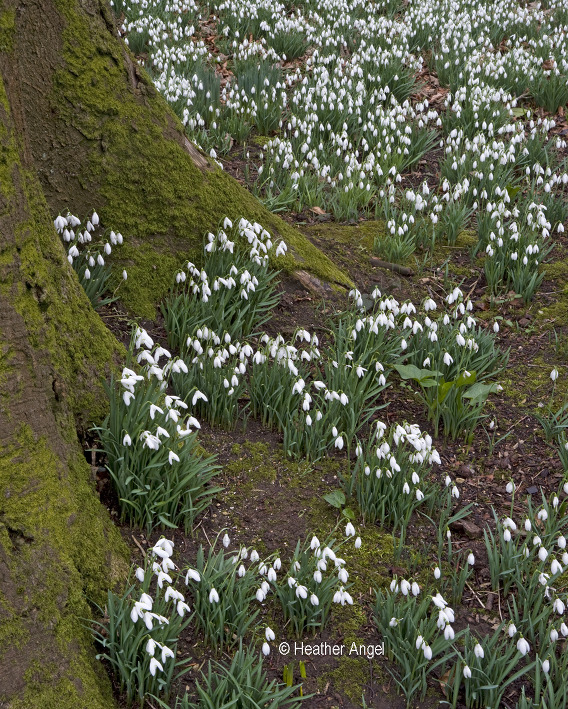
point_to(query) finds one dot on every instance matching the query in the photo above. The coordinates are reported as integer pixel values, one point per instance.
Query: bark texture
(57, 544)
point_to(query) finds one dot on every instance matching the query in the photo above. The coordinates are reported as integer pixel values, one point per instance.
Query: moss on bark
(58, 547)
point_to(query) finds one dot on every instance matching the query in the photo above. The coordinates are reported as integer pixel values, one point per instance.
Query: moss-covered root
(56, 551)
(102, 137)
(57, 545)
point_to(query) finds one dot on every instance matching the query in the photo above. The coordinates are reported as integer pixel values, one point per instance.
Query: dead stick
(475, 594)
(138, 544)
(397, 268)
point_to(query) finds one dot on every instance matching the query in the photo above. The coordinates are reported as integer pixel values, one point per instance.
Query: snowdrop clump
(232, 293)
(87, 246)
(150, 441)
(141, 629)
(388, 478)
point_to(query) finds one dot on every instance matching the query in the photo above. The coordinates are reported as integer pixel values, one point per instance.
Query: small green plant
(242, 684)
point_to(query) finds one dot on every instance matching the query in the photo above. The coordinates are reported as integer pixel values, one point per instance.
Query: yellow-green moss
(7, 29)
(56, 568)
(361, 236)
(254, 460)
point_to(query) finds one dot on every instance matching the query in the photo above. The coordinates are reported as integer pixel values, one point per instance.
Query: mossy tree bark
(81, 127)
(101, 137)
(58, 547)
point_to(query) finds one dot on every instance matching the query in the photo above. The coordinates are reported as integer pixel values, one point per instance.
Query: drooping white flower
(478, 651)
(522, 646)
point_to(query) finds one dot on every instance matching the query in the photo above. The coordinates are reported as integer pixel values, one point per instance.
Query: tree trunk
(57, 544)
(81, 127)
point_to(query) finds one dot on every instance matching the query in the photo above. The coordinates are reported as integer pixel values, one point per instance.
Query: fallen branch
(397, 268)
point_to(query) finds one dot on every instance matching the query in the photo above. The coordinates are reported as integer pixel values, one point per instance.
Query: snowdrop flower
(478, 651)
(555, 567)
(154, 665)
(466, 672)
(512, 630)
(193, 575)
(546, 667)
(126, 441)
(314, 600)
(226, 540)
(197, 396)
(439, 601)
(150, 646)
(523, 647)
(559, 606)
(301, 592)
(471, 559)
(265, 649)
(260, 595)
(507, 535)
(427, 652)
(542, 554)
(437, 573)
(415, 588)
(510, 487)
(349, 530)
(358, 543)
(448, 359)
(213, 596)
(140, 574)
(554, 374)
(553, 635)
